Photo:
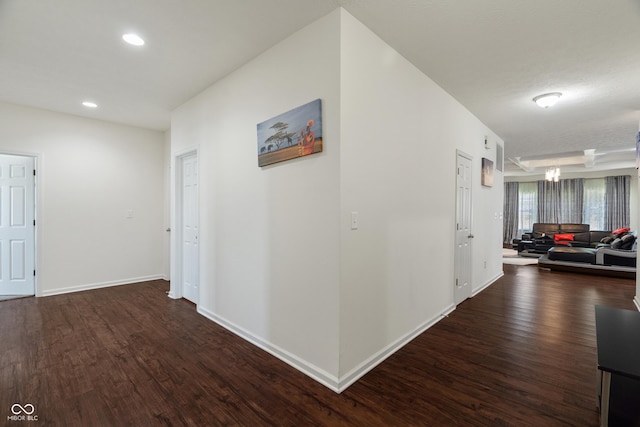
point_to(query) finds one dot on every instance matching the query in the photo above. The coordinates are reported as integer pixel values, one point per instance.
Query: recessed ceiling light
(133, 39)
(547, 100)
(89, 104)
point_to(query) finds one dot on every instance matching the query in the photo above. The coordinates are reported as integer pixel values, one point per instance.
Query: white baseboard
(292, 360)
(487, 284)
(173, 296)
(90, 286)
(359, 371)
(636, 301)
(330, 381)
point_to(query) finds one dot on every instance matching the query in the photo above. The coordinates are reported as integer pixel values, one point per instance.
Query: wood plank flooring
(521, 353)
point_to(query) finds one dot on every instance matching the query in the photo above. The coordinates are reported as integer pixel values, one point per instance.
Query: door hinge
(34, 273)
(34, 222)
(34, 172)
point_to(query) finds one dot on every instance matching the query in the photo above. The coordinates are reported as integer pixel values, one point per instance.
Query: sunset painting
(295, 133)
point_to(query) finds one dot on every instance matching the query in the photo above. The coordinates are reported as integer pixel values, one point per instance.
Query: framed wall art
(487, 172)
(296, 133)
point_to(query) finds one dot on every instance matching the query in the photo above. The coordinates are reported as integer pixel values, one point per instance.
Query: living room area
(585, 222)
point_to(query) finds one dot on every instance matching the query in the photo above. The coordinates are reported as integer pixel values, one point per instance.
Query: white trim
(318, 374)
(92, 286)
(456, 261)
(330, 381)
(172, 294)
(37, 199)
(487, 284)
(175, 290)
(374, 360)
(636, 301)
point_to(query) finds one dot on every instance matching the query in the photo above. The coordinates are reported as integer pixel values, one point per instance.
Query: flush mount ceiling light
(90, 104)
(547, 100)
(133, 39)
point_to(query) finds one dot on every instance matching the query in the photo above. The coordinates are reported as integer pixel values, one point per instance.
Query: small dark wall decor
(487, 172)
(296, 133)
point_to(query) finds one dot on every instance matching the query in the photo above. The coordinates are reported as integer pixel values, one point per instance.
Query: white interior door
(463, 229)
(189, 228)
(17, 226)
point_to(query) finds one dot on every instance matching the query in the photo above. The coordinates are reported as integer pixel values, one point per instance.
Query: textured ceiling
(493, 56)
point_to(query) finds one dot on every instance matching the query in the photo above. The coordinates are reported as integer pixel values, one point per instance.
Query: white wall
(399, 133)
(90, 174)
(279, 263)
(269, 237)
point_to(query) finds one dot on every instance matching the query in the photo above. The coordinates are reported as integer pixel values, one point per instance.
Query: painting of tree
(296, 133)
(281, 136)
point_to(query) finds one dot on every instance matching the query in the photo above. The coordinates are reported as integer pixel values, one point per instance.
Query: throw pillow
(607, 239)
(563, 237)
(627, 241)
(616, 243)
(621, 231)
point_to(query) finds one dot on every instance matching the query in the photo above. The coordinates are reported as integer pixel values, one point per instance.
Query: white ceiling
(493, 56)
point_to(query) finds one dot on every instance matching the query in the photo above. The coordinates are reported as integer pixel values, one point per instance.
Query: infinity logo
(28, 409)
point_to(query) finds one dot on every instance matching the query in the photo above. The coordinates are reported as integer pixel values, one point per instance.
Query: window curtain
(527, 206)
(510, 209)
(593, 209)
(601, 202)
(617, 196)
(570, 201)
(561, 201)
(548, 202)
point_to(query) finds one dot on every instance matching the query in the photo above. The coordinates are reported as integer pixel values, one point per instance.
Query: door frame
(37, 208)
(175, 288)
(469, 272)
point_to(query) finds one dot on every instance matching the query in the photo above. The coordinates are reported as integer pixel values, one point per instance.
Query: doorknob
(471, 236)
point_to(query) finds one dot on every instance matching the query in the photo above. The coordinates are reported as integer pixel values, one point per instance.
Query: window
(593, 208)
(528, 206)
(578, 201)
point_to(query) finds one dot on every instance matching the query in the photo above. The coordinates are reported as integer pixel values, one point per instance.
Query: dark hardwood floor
(521, 353)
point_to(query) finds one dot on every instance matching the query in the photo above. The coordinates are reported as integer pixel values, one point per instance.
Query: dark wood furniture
(618, 344)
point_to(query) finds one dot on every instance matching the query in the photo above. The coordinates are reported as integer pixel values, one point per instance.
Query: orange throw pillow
(621, 230)
(563, 237)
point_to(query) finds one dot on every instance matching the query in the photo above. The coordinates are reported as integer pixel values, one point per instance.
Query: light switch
(354, 220)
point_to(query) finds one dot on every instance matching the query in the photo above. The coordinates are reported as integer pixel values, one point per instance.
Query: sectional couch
(544, 236)
(602, 261)
(615, 255)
